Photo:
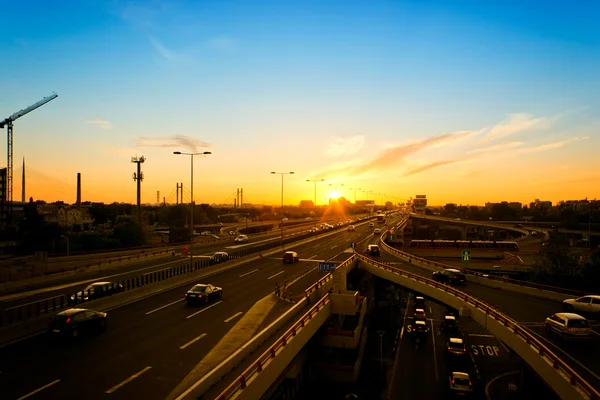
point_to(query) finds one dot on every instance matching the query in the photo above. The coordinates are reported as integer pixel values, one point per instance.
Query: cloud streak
(496, 148)
(339, 146)
(163, 51)
(552, 146)
(430, 166)
(100, 123)
(172, 142)
(514, 124)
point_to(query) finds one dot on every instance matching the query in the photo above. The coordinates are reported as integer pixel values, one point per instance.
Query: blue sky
(323, 88)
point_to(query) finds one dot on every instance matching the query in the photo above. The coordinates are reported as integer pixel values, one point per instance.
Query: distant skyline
(466, 103)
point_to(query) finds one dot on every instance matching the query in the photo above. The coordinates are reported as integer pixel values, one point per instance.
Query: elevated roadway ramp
(567, 384)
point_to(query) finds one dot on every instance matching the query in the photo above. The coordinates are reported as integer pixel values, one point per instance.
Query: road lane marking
(204, 309)
(165, 306)
(248, 273)
(480, 335)
(437, 375)
(331, 248)
(234, 316)
(36, 391)
(191, 342)
(273, 276)
(489, 384)
(310, 258)
(126, 381)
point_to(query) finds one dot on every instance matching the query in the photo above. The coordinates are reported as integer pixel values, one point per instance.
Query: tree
(128, 232)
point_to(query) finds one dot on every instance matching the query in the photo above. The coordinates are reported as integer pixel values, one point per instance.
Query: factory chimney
(23, 183)
(78, 190)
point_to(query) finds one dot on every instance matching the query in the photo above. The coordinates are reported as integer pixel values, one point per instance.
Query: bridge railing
(242, 381)
(412, 257)
(573, 377)
(315, 286)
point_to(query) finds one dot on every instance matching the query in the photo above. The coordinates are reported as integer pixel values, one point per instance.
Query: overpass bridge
(329, 293)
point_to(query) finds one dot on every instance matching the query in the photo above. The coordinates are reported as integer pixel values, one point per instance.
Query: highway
(530, 312)
(73, 283)
(151, 345)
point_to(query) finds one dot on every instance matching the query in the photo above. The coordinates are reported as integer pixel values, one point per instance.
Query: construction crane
(8, 122)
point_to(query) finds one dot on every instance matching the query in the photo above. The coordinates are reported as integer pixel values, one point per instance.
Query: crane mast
(8, 122)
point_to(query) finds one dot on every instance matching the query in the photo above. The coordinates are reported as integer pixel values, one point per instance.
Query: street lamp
(315, 181)
(282, 174)
(355, 194)
(191, 198)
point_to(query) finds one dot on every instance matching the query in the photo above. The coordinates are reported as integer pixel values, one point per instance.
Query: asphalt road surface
(530, 312)
(72, 284)
(152, 344)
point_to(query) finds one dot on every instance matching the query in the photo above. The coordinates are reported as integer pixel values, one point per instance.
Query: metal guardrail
(257, 367)
(533, 285)
(321, 282)
(543, 351)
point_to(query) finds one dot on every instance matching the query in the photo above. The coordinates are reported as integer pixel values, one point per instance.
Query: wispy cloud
(433, 165)
(223, 43)
(496, 148)
(516, 123)
(172, 142)
(473, 173)
(339, 146)
(101, 123)
(551, 146)
(393, 156)
(163, 51)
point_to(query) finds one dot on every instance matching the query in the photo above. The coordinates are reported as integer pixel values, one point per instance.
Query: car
(449, 324)
(450, 276)
(586, 304)
(371, 225)
(456, 346)
(77, 321)
(377, 231)
(420, 302)
(97, 290)
(205, 233)
(420, 327)
(351, 228)
(313, 230)
(569, 326)
(419, 314)
(219, 257)
(290, 257)
(203, 293)
(241, 239)
(460, 383)
(373, 250)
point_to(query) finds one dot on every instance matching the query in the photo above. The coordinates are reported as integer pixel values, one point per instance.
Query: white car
(377, 231)
(241, 239)
(587, 304)
(460, 383)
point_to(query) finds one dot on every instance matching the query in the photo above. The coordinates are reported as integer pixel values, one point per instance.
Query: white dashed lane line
(273, 276)
(165, 306)
(204, 309)
(126, 381)
(191, 342)
(234, 316)
(248, 273)
(36, 391)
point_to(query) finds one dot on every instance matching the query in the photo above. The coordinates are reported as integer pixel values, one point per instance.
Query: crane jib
(32, 107)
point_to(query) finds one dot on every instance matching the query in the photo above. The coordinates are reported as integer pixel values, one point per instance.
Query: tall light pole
(315, 181)
(191, 199)
(282, 174)
(355, 194)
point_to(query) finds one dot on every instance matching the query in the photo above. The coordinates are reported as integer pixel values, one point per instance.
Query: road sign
(353, 245)
(326, 267)
(466, 255)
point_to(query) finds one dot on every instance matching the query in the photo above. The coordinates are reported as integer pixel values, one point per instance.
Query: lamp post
(191, 199)
(282, 174)
(315, 181)
(355, 194)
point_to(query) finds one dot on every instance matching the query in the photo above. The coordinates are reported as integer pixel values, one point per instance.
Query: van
(290, 257)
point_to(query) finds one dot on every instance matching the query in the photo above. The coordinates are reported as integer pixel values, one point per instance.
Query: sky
(463, 101)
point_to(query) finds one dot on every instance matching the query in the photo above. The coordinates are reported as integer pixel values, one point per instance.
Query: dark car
(97, 290)
(203, 293)
(77, 321)
(420, 302)
(450, 276)
(420, 328)
(449, 324)
(373, 250)
(219, 257)
(456, 346)
(290, 257)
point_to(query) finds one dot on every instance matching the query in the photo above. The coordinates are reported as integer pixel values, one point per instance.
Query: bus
(381, 218)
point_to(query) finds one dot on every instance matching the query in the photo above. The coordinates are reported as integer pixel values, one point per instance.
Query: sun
(334, 195)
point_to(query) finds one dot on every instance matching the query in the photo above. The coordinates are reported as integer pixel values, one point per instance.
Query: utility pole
(139, 177)
(158, 197)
